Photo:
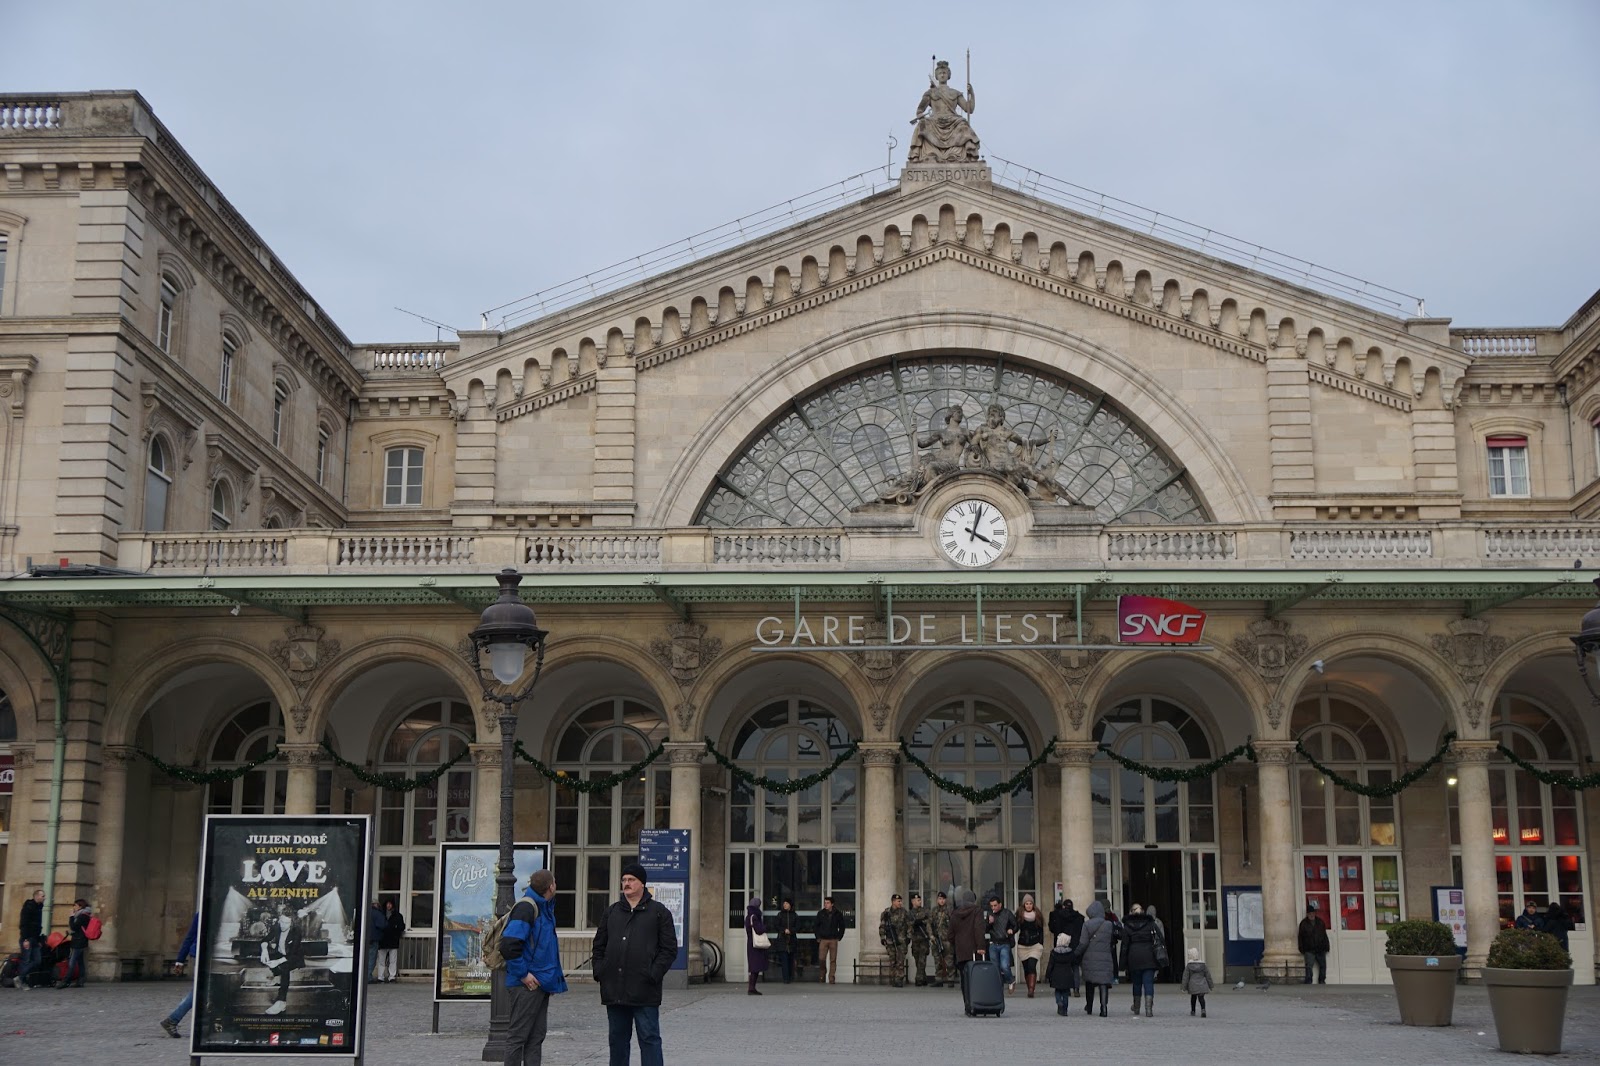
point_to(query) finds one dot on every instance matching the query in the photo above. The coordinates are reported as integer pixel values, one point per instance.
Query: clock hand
(974, 533)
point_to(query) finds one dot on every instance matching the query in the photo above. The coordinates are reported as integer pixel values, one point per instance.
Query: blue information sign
(664, 853)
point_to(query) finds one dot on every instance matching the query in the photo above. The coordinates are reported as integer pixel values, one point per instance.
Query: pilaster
(615, 388)
(1289, 422)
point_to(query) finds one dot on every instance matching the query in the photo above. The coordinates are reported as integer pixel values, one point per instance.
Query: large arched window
(1130, 808)
(157, 484)
(953, 843)
(412, 824)
(596, 834)
(801, 845)
(1538, 831)
(246, 737)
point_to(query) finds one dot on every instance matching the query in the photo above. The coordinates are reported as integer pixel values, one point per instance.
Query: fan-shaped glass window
(1344, 737)
(1130, 808)
(251, 734)
(595, 834)
(890, 430)
(412, 824)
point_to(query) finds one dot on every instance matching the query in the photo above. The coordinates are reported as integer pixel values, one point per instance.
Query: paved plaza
(805, 1025)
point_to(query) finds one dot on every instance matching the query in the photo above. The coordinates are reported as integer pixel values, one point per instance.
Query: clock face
(973, 533)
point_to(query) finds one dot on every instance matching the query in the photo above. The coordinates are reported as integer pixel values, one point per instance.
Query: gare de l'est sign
(1141, 620)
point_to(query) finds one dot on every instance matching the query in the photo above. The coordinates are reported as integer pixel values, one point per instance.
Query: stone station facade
(876, 476)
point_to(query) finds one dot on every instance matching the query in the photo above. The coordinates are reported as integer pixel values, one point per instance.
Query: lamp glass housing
(506, 661)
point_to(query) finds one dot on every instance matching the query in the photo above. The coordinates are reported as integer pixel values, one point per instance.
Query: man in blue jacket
(186, 949)
(533, 969)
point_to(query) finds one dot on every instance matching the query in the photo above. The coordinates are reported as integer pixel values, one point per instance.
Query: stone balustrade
(1253, 547)
(402, 358)
(26, 113)
(1492, 342)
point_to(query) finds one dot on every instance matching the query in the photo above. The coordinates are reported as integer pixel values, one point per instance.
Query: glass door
(1358, 897)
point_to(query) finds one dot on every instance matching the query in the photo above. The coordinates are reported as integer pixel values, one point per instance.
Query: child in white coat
(1196, 981)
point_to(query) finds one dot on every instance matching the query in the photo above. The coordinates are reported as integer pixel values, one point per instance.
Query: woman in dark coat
(1096, 947)
(1140, 932)
(755, 958)
(1556, 923)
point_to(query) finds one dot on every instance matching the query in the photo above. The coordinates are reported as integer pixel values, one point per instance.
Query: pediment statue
(942, 135)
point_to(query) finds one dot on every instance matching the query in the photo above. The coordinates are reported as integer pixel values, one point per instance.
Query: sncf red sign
(1153, 620)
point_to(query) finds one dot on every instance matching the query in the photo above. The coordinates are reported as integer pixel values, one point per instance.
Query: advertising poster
(281, 908)
(1450, 907)
(466, 911)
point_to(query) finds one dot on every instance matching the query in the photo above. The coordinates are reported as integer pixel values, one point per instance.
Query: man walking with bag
(533, 969)
(633, 949)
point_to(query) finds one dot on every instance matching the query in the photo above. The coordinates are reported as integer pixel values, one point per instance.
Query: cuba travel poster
(280, 932)
(466, 911)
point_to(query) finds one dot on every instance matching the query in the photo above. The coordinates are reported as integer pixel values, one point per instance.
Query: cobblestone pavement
(804, 1024)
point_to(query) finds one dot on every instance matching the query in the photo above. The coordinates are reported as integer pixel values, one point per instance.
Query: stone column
(486, 793)
(1280, 909)
(103, 959)
(1077, 821)
(300, 794)
(878, 851)
(684, 758)
(1477, 847)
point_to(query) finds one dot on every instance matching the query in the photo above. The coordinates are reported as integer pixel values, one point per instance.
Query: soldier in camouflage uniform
(921, 936)
(939, 926)
(894, 932)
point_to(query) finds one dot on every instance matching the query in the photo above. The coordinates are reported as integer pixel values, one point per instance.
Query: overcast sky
(447, 158)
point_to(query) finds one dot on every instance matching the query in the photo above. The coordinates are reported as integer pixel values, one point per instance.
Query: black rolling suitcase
(981, 989)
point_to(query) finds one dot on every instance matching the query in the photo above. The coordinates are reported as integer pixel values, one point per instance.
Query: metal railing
(1205, 240)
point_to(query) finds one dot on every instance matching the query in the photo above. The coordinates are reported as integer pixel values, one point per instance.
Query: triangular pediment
(1049, 248)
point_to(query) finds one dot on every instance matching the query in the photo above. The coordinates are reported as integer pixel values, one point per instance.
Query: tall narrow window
(2, 266)
(280, 400)
(402, 486)
(225, 380)
(221, 506)
(322, 455)
(165, 314)
(157, 482)
(1508, 466)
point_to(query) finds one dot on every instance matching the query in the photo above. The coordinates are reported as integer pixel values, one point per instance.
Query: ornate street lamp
(1588, 643)
(507, 631)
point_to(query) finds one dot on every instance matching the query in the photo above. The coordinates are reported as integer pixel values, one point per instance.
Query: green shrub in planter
(1528, 976)
(1527, 949)
(1418, 936)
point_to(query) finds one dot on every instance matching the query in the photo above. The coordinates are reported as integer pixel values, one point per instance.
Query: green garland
(594, 784)
(1193, 773)
(1558, 778)
(1398, 785)
(980, 795)
(394, 782)
(206, 777)
(782, 788)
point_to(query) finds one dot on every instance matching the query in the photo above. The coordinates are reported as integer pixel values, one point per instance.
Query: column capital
(1076, 752)
(485, 754)
(301, 755)
(22, 756)
(118, 755)
(685, 752)
(879, 754)
(1276, 752)
(1478, 751)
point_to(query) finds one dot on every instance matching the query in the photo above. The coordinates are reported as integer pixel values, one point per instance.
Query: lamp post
(1587, 643)
(507, 631)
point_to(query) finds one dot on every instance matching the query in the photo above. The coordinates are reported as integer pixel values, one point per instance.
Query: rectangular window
(1508, 466)
(169, 304)
(280, 397)
(2, 266)
(402, 486)
(322, 457)
(225, 381)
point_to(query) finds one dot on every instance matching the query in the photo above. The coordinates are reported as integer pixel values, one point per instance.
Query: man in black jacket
(830, 930)
(32, 940)
(1313, 937)
(633, 949)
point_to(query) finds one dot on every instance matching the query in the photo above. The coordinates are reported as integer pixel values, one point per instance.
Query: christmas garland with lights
(782, 788)
(1398, 785)
(980, 795)
(1193, 773)
(206, 777)
(395, 782)
(591, 785)
(1558, 778)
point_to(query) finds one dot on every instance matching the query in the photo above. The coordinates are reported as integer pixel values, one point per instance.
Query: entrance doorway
(1154, 878)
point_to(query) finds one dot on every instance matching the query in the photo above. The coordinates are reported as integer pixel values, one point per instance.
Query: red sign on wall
(8, 774)
(1153, 620)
